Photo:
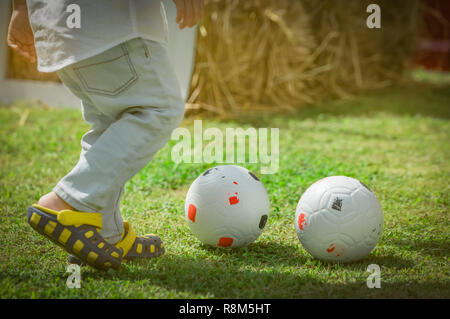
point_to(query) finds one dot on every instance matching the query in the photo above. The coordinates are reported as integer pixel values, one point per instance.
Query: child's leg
(111, 216)
(98, 125)
(112, 223)
(137, 105)
(118, 154)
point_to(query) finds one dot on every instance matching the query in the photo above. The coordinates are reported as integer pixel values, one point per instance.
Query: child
(115, 60)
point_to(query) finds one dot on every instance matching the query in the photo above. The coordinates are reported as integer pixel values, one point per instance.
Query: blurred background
(279, 55)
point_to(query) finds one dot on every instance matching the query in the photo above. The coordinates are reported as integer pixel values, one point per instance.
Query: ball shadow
(260, 270)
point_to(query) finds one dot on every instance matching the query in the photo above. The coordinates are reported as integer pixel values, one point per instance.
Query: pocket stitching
(121, 88)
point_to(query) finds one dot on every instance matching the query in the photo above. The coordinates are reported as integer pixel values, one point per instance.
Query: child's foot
(147, 246)
(78, 234)
(54, 202)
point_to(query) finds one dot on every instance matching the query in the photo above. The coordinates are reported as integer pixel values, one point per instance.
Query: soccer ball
(338, 218)
(227, 206)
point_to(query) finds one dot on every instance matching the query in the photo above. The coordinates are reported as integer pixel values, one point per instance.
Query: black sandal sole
(84, 241)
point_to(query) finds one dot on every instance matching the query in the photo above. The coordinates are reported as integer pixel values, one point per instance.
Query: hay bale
(359, 57)
(249, 54)
(278, 55)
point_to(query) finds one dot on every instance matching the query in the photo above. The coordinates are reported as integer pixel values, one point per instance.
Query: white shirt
(103, 25)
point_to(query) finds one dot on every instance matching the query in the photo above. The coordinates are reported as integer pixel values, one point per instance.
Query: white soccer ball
(227, 206)
(338, 218)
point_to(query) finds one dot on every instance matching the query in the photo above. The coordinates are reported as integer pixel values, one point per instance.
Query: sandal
(78, 234)
(147, 246)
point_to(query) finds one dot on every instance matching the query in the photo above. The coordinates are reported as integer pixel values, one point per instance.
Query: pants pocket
(109, 73)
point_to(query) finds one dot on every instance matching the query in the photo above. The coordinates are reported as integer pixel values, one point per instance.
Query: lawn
(397, 141)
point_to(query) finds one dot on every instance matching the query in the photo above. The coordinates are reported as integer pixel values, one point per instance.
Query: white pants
(132, 100)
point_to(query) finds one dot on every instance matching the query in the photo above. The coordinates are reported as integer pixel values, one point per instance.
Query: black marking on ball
(263, 221)
(207, 172)
(337, 204)
(254, 176)
(365, 186)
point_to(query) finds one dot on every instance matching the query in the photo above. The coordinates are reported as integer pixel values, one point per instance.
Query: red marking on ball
(235, 183)
(191, 212)
(340, 253)
(233, 200)
(331, 248)
(301, 221)
(225, 242)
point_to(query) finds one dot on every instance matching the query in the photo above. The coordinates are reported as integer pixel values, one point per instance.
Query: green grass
(397, 141)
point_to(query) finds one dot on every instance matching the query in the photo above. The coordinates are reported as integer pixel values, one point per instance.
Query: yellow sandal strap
(127, 242)
(72, 218)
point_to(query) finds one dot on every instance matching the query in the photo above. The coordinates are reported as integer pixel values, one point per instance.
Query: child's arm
(20, 35)
(189, 12)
